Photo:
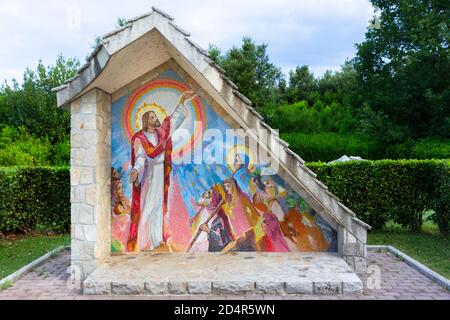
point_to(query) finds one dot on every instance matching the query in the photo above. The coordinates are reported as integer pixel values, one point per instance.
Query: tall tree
(301, 84)
(250, 68)
(32, 105)
(404, 67)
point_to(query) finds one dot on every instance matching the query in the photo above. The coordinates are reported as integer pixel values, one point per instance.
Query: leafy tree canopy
(250, 68)
(32, 105)
(403, 68)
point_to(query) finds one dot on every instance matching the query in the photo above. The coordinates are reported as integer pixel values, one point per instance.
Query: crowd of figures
(246, 212)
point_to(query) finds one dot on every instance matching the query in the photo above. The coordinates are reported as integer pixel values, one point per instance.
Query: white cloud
(314, 32)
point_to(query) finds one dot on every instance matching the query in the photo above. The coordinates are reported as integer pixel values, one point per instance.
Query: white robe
(151, 177)
(202, 242)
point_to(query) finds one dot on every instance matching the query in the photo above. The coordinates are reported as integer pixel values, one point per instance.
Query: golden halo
(157, 109)
(231, 154)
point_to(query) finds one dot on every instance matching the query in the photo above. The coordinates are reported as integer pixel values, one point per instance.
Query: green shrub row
(398, 190)
(34, 198)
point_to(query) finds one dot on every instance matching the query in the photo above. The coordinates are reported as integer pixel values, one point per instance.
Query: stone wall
(90, 181)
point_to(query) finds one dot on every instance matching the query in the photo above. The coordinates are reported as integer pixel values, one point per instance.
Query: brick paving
(397, 281)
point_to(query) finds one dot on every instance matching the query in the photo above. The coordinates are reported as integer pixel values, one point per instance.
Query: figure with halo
(151, 161)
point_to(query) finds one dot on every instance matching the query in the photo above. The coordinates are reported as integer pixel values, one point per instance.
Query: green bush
(322, 116)
(19, 148)
(441, 216)
(328, 146)
(431, 149)
(34, 197)
(398, 190)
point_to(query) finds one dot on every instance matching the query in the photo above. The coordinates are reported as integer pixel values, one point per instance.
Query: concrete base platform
(223, 274)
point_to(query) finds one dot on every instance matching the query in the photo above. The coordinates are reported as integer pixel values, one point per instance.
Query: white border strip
(442, 281)
(29, 267)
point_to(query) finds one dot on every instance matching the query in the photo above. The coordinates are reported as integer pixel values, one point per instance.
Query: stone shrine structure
(145, 221)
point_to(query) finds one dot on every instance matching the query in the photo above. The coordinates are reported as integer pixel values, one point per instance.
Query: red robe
(164, 146)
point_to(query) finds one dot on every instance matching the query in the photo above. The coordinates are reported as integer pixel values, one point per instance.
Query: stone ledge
(225, 288)
(219, 274)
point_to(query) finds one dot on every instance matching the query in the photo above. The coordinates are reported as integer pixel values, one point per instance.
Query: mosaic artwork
(164, 201)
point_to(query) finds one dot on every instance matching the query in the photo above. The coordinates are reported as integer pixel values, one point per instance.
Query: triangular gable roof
(210, 76)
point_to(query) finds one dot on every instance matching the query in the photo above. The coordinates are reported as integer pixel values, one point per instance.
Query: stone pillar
(352, 247)
(90, 179)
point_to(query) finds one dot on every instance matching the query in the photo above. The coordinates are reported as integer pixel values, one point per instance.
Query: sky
(319, 33)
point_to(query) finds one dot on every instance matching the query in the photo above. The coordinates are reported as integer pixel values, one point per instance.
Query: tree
(215, 53)
(343, 81)
(403, 67)
(250, 68)
(32, 105)
(301, 84)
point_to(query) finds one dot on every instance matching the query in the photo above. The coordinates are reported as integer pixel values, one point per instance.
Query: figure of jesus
(151, 161)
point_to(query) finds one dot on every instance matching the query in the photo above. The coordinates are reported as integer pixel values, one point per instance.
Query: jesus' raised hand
(187, 96)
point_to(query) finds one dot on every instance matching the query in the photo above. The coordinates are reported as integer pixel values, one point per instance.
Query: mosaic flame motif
(173, 207)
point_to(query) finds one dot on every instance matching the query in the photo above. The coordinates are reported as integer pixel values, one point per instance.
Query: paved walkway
(396, 281)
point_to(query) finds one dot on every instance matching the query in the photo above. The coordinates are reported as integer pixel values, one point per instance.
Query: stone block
(96, 288)
(156, 288)
(77, 156)
(233, 287)
(349, 249)
(299, 287)
(177, 288)
(327, 287)
(350, 238)
(359, 232)
(90, 232)
(75, 174)
(360, 249)
(127, 288)
(360, 264)
(352, 287)
(91, 195)
(197, 287)
(87, 107)
(82, 138)
(75, 106)
(89, 97)
(83, 122)
(85, 214)
(77, 232)
(87, 175)
(269, 288)
(77, 193)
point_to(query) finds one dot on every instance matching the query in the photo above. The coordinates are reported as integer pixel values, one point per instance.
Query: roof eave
(85, 76)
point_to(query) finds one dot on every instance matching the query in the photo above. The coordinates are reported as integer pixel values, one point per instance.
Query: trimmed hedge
(34, 198)
(398, 190)
(377, 191)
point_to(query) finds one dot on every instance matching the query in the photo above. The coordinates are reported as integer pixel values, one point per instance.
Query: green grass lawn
(427, 247)
(14, 254)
